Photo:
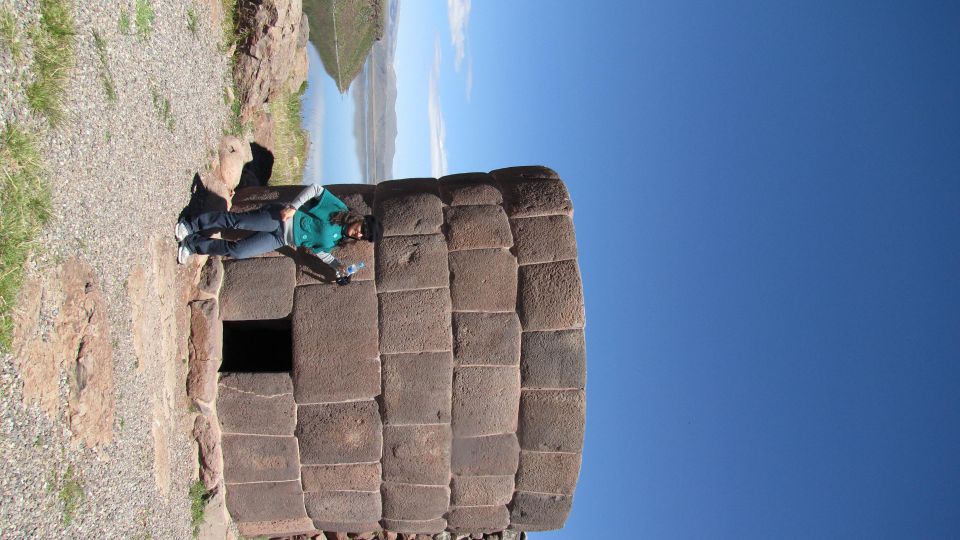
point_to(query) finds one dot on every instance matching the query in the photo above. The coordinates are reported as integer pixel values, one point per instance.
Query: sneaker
(183, 254)
(181, 231)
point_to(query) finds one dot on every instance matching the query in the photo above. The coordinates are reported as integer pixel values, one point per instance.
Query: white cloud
(438, 128)
(458, 13)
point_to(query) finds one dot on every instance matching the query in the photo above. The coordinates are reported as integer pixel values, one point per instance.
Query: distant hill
(343, 32)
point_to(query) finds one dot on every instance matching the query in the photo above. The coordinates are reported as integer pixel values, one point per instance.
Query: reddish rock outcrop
(273, 58)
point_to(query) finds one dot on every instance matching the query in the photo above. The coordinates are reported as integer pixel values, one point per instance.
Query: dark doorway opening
(257, 346)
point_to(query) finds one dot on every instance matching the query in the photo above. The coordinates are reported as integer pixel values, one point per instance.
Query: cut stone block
(548, 472)
(539, 512)
(482, 519)
(417, 387)
(524, 172)
(544, 239)
(550, 296)
(552, 420)
(486, 338)
(262, 384)
(265, 501)
(335, 343)
(481, 490)
(336, 379)
(556, 359)
(415, 321)
(339, 433)
(253, 458)
(530, 192)
(410, 502)
(417, 454)
(257, 289)
(333, 321)
(208, 436)
(412, 262)
(202, 380)
(470, 189)
(496, 455)
(349, 477)
(211, 276)
(206, 330)
(343, 506)
(333, 529)
(311, 270)
(432, 526)
(286, 527)
(255, 197)
(530, 198)
(243, 412)
(476, 227)
(485, 400)
(357, 197)
(409, 207)
(483, 280)
(355, 252)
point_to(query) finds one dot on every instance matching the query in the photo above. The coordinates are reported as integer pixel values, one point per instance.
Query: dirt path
(94, 420)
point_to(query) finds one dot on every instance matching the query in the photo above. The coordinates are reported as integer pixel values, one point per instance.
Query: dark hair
(371, 227)
(345, 219)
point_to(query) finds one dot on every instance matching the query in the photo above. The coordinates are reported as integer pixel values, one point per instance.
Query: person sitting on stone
(315, 220)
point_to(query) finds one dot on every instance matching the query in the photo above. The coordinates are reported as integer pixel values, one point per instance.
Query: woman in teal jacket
(316, 220)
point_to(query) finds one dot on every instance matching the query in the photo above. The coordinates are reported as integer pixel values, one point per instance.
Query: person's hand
(287, 213)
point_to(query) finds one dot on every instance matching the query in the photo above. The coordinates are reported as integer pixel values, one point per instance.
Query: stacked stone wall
(442, 389)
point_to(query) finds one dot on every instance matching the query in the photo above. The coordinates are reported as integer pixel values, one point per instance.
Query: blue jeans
(265, 223)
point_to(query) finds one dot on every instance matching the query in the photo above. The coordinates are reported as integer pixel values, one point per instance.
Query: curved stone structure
(443, 389)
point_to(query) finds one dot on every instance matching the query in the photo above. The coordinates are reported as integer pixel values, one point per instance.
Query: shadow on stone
(202, 200)
(310, 267)
(258, 171)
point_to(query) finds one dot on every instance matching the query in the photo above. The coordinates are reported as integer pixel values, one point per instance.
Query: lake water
(328, 116)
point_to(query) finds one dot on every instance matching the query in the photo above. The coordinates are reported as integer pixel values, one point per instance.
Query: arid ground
(94, 419)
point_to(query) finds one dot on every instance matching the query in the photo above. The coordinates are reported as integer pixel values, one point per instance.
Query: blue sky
(767, 203)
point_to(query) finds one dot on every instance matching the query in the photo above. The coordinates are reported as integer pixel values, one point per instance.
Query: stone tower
(443, 389)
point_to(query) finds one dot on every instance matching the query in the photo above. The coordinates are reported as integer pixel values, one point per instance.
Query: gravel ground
(119, 177)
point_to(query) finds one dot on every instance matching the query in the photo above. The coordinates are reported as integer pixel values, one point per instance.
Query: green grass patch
(9, 36)
(290, 139)
(106, 76)
(124, 23)
(232, 96)
(70, 494)
(161, 105)
(235, 125)
(24, 209)
(143, 18)
(193, 21)
(231, 33)
(53, 42)
(198, 501)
